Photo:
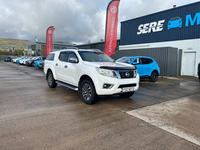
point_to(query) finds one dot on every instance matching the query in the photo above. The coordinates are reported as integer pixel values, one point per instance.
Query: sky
(75, 21)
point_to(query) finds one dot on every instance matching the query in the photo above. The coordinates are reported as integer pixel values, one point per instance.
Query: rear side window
(51, 57)
(146, 61)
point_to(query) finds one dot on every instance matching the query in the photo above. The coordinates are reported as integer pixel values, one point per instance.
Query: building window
(56, 47)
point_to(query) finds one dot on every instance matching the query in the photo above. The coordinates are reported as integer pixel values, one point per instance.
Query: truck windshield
(94, 56)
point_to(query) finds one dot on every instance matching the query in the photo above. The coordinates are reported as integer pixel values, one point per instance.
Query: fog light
(107, 86)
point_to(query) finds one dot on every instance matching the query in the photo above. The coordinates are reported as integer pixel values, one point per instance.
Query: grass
(17, 44)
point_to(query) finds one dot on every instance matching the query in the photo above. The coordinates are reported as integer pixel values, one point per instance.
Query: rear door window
(51, 57)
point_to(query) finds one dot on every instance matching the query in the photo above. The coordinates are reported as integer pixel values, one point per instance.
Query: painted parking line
(179, 117)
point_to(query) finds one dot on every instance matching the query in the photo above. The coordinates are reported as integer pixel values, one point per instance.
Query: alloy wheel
(87, 91)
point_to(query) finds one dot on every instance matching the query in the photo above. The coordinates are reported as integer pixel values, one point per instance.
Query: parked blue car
(18, 60)
(147, 67)
(174, 23)
(39, 63)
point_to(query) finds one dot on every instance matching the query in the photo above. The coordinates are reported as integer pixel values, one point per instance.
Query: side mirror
(138, 61)
(134, 63)
(73, 60)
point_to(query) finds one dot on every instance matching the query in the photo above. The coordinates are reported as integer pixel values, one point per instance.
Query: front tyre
(154, 77)
(50, 80)
(126, 95)
(87, 91)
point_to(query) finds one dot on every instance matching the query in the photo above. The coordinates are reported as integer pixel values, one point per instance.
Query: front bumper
(118, 84)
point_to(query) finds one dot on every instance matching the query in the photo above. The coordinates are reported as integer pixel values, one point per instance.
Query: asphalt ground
(161, 115)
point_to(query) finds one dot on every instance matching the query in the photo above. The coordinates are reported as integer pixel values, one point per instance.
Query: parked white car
(26, 60)
(91, 73)
(22, 62)
(15, 60)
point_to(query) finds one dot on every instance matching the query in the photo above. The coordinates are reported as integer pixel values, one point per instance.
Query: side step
(67, 85)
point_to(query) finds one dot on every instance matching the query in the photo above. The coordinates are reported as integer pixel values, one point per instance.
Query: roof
(136, 57)
(77, 49)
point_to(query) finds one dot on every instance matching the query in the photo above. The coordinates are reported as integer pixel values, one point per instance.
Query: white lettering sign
(148, 27)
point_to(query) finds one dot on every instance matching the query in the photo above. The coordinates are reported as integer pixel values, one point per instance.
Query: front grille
(126, 74)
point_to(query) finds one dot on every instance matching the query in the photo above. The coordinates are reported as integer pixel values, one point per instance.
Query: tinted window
(51, 57)
(146, 61)
(63, 56)
(95, 56)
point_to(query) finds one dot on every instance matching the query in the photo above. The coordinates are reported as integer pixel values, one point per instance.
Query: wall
(43, 50)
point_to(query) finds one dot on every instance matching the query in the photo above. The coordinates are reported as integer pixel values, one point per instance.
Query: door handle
(56, 64)
(65, 66)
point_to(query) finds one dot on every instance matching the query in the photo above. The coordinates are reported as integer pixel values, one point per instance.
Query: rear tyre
(154, 77)
(87, 91)
(50, 80)
(126, 95)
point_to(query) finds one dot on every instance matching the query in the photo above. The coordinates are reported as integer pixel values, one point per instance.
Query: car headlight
(135, 73)
(106, 72)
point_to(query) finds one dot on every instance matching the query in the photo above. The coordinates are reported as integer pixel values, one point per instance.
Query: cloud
(74, 20)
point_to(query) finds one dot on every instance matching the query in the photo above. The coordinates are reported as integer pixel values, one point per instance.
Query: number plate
(127, 89)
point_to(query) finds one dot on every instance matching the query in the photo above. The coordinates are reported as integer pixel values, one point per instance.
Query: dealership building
(171, 36)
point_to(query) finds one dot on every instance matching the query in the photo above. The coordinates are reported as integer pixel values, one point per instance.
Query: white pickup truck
(91, 73)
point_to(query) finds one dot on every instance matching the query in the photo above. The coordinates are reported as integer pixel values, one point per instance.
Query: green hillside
(17, 44)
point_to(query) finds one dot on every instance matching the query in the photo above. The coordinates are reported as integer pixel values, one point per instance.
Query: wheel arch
(48, 70)
(83, 77)
(155, 71)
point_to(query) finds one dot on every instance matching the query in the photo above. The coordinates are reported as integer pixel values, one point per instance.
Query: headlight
(105, 72)
(135, 73)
